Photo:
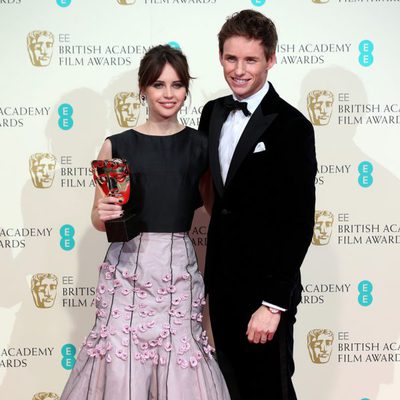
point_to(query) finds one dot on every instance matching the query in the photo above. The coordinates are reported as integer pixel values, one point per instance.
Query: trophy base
(123, 229)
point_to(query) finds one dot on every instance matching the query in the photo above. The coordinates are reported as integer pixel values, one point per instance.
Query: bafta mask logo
(45, 396)
(320, 1)
(319, 343)
(323, 223)
(126, 2)
(319, 106)
(40, 47)
(42, 167)
(127, 109)
(44, 289)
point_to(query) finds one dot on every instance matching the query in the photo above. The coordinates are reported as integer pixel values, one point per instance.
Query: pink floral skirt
(148, 341)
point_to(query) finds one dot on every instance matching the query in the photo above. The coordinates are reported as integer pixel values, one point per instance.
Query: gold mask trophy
(112, 177)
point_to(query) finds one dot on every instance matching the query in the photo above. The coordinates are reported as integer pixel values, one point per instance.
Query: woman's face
(166, 95)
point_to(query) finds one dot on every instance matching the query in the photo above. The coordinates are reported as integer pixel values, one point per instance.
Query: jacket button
(224, 211)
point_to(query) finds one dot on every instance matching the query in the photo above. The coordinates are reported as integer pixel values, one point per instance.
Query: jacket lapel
(218, 117)
(258, 124)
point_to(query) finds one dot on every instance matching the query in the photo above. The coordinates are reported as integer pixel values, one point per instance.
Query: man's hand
(262, 326)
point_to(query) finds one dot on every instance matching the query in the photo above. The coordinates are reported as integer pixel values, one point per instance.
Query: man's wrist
(273, 306)
(273, 310)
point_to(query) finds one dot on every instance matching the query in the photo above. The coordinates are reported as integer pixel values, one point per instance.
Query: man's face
(41, 50)
(321, 109)
(45, 292)
(42, 172)
(322, 230)
(245, 66)
(128, 111)
(321, 348)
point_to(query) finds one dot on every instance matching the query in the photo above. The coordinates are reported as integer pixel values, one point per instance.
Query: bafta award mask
(126, 2)
(42, 168)
(40, 47)
(44, 289)
(320, 105)
(112, 176)
(45, 396)
(322, 227)
(319, 343)
(127, 108)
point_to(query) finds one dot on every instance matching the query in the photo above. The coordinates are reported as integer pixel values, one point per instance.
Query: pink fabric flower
(193, 362)
(142, 294)
(120, 353)
(101, 288)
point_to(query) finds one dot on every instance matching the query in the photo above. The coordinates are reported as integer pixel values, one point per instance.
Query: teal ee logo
(68, 352)
(365, 178)
(258, 3)
(65, 120)
(174, 45)
(366, 48)
(365, 297)
(64, 3)
(67, 241)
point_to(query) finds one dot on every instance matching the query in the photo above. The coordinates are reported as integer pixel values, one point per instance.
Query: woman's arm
(104, 207)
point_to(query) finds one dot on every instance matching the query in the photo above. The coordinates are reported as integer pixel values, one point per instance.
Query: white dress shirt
(231, 132)
(233, 128)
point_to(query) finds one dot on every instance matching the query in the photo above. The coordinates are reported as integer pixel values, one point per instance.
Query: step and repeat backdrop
(68, 79)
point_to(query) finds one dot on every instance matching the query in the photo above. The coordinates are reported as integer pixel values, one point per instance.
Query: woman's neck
(160, 128)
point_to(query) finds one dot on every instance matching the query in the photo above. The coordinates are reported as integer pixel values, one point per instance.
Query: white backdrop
(63, 63)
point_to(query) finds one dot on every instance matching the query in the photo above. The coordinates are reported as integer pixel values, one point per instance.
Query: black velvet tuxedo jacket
(263, 217)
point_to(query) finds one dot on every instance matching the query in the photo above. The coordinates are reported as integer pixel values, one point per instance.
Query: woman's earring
(143, 99)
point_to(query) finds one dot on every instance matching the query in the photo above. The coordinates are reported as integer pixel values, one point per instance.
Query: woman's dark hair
(252, 25)
(153, 62)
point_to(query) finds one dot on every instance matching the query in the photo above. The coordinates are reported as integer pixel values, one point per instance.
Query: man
(263, 168)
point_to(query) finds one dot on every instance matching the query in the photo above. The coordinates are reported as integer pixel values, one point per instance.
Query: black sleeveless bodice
(165, 174)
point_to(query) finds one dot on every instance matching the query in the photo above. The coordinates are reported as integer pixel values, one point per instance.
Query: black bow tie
(231, 105)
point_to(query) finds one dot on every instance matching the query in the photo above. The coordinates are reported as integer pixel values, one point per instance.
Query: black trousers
(253, 371)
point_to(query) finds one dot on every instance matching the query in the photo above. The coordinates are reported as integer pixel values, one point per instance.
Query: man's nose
(240, 68)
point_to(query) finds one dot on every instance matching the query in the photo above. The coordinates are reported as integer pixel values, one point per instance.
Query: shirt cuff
(264, 303)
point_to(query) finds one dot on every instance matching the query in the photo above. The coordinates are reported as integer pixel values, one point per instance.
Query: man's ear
(271, 62)
(220, 58)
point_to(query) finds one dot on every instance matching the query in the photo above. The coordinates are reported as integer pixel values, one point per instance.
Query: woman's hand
(108, 208)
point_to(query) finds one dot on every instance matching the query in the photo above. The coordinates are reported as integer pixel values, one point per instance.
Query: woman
(148, 341)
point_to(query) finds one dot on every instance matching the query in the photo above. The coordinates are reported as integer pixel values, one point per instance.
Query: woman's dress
(147, 341)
